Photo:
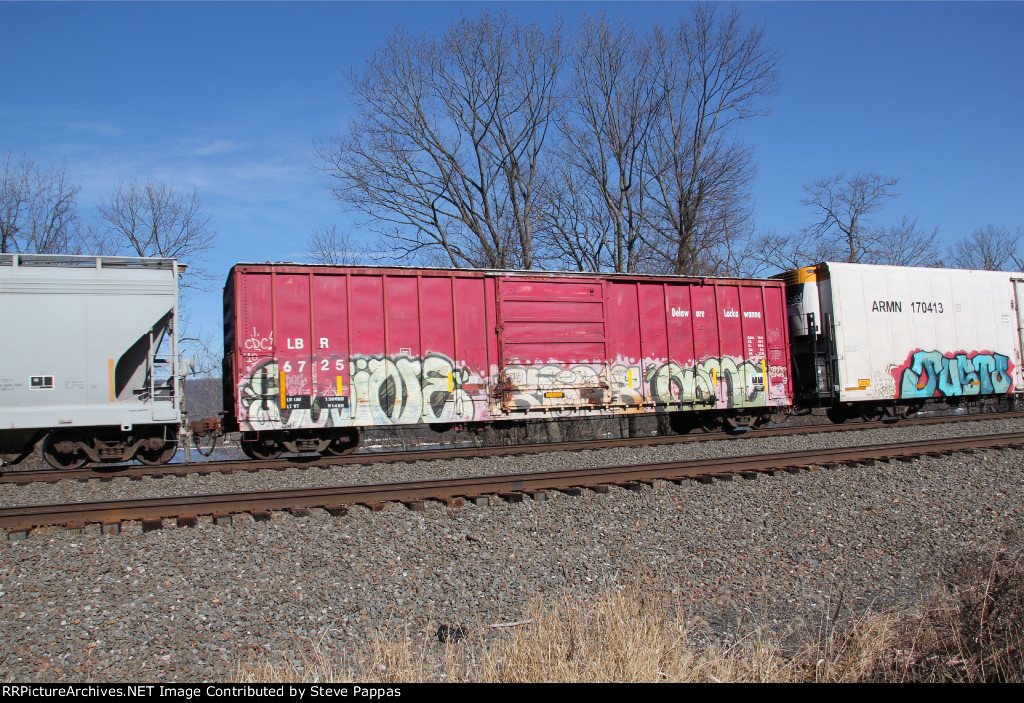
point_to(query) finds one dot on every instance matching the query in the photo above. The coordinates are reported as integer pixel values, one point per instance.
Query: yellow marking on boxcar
(110, 376)
(793, 277)
(341, 386)
(451, 382)
(284, 391)
(554, 395)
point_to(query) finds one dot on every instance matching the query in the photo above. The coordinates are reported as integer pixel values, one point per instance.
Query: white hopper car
(89, 358)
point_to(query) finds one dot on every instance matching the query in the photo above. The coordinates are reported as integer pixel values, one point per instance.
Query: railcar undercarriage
(73, 448)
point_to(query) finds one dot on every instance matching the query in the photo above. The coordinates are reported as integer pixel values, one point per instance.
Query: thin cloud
(105, 129)
(221, 147)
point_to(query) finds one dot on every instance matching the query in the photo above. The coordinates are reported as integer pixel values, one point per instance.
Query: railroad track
(102, 472)
(185, 510)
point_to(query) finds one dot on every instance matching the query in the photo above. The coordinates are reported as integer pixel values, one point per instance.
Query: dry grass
(972, 629)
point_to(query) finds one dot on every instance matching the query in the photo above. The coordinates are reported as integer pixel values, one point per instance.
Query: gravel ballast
(197, 604)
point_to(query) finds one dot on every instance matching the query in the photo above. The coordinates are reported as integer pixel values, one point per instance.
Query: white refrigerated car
(884, 340)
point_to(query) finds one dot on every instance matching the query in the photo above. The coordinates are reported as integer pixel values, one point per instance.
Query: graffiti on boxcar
(626, 384)
(396, 390)
(718, 381)
(258, 397)
(573, 385)
(407, 389)
(926, 374)
(882, 384)
(258, 342)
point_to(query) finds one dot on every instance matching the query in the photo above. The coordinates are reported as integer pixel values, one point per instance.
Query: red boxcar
(312, 353)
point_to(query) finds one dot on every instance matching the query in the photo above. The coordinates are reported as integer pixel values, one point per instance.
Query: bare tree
(615, 97)
(843, 230)
(903, 244)
(770, 252)
(716, 74)
(444, 151)
(568, 233)
(453, 150)
(38, 209)
(990, 248)
(330, 247)
(156, 220)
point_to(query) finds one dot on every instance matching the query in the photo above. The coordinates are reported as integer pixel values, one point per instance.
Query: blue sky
(231, 97)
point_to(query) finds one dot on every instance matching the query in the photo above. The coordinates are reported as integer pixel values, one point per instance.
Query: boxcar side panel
(553, 345)
(780, 389)
(331, 347)
(463, 381)
(658, 372)
(256, 376)
(330, 354)
(679, 319)
(294, 343)
(625, 352)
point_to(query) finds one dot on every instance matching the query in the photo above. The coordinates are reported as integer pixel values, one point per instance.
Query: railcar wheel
(872, 414)
(910, 410)
(681, 422)
(261, 449)
(61, 450)
(710, 422)
(837, 414)
(156, 457)
(345, 444)
(737, 424)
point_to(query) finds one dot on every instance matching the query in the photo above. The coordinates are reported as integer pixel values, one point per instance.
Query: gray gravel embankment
(191, 604)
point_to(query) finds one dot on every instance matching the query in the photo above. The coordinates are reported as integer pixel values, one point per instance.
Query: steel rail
(336, 498)
(107, 473)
